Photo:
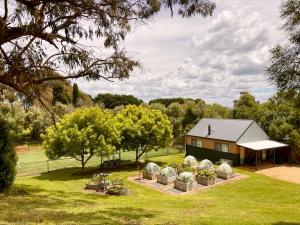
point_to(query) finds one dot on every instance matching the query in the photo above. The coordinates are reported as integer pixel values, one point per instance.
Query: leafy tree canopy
(245, 107)
(144, 129)
(82, 134)
(166, 101)
(111, 101)
(41, 37)
(284, 69)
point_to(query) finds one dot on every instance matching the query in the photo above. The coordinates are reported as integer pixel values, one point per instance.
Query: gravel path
(286, 173)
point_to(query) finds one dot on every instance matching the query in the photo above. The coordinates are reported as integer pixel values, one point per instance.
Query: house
(240, 141)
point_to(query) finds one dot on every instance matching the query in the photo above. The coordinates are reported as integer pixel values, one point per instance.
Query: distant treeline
(111, 101)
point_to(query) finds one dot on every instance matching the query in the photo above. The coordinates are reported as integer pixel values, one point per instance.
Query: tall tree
(60, 95)
(143, 129)
(8, 158)
(284, 70)
(75, 94)
(245, 107)
(82, 134)
(39, 37)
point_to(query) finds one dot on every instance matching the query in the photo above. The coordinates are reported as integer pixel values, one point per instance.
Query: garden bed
(169, 189)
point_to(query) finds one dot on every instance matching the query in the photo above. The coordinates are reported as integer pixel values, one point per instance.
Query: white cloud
(213, 58)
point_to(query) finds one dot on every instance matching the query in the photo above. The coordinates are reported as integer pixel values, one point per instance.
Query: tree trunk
(82, 164)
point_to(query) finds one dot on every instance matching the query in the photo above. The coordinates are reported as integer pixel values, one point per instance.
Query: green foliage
(37, 121)
(75, 94)
(245, 107)
(207, 173)
(8, 158)
(143, 129)
(194, 111)
(61, 26)
(158, 106)
(284, 68)
(14, 114)
(111, 101)
(82, 134)
(60, 95)
(167, 101)
(217, 111)
(280, 117)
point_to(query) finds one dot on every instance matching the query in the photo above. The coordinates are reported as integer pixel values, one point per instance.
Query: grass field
(58, 198)
(32, 159)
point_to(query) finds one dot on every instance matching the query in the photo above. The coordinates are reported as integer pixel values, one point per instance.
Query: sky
(214, 58)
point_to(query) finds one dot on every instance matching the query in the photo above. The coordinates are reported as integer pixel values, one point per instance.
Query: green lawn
(35, 161)
(58, 198)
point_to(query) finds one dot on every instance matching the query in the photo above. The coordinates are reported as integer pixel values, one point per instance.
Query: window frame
(222, 145)
(199, 142)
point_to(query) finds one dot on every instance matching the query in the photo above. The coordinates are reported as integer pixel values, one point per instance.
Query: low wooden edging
(166, 188)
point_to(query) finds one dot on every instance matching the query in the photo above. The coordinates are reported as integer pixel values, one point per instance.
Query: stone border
(170, 190)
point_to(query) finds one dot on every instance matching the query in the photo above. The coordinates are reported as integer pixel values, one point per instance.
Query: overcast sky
(213, 59)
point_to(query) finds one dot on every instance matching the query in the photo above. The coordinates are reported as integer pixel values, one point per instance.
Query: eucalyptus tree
(284, 69)
(39, 38)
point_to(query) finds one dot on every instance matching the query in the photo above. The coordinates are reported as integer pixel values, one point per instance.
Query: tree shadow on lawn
(74, 173)
(60, 207)
(286, 223)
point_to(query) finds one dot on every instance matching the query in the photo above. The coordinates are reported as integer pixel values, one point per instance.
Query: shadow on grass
(286, 223)
(74, 173)
(62, 207)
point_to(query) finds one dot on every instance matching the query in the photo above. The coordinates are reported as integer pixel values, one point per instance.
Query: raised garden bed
(225, 176)
(183, 186)
(149, 176)
(162, 179)
(96, 187)
(205, 180)
(118, 192)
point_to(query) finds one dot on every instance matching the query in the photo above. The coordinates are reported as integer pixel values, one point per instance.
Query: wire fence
(46, 166)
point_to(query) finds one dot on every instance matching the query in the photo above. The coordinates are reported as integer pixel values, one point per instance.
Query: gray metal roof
(222, 129)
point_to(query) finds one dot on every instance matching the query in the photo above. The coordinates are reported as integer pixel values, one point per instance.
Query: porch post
(256, 160)
(274, 156)
(290, 155)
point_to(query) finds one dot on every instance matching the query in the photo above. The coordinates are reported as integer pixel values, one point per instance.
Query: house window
(221, 147)
(196, 142)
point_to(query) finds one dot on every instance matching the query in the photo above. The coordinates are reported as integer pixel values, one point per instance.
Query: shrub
(185, 177)
(207, 173)
(8, 158)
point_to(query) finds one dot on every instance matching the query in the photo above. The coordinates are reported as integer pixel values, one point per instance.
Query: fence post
(47, 166)
(167, 151)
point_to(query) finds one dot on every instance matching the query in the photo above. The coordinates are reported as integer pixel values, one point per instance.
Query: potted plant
(206, 177)
(117, 187)
(190, 161)
(98, 182)
(206, 165)
(224, 171)
(166, 175)
(151, 171)
(184, 182)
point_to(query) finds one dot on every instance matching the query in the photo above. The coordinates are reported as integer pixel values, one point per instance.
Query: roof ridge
(228, 119)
